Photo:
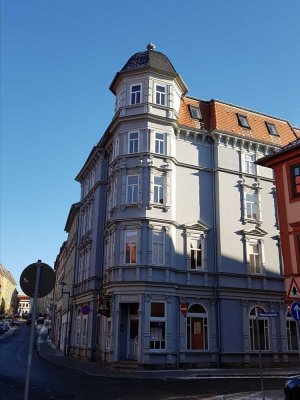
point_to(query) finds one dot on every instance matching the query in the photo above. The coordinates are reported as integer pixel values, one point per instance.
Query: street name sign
(268, 314)
(295, 310)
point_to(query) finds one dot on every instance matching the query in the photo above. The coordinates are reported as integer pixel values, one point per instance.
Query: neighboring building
(286, 165)
(24, 306)
(58, 298)
(68, 279)
(8, 291)
(178, 240)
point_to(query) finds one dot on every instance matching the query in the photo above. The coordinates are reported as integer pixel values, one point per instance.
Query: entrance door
(133, 338)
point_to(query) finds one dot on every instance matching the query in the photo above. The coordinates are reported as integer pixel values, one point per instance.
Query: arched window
(197, 328)
(262, 327)
(291, 332)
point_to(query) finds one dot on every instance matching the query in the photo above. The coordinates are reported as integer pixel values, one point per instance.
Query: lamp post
(66, 339)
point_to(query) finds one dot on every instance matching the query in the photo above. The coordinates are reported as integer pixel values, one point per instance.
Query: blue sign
(295, 310)
(268, 314)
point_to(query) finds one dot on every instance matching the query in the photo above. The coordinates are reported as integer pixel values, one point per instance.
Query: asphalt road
(49, 381)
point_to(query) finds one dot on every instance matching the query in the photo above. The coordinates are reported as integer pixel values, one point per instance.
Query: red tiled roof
(222, 116)
(185, 118)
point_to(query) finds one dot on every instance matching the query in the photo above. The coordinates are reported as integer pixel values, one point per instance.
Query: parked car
(292, 389)
(1, 329)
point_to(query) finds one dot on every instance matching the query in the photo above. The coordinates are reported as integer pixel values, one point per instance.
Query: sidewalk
(47, 350)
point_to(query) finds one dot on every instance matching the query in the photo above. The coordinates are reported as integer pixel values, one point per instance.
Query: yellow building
(7, 291)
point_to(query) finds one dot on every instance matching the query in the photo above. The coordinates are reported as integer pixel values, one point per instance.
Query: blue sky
(58, 58)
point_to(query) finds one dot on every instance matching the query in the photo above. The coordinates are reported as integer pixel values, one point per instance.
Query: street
(49, 381)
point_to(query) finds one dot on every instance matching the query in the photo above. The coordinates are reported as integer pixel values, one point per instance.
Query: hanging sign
(183, 309)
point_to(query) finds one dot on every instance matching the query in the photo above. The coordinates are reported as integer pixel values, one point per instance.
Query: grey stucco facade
(173, 252)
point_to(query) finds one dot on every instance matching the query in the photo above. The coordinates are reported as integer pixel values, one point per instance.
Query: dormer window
(160, 95)
(195, 112)
(135, 95)
(272, 129)
(243, 121)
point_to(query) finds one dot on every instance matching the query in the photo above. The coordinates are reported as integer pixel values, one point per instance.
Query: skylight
(272, 129)
(195, 112)
(243, 121)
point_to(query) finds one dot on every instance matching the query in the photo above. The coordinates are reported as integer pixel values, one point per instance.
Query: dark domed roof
(149, 59)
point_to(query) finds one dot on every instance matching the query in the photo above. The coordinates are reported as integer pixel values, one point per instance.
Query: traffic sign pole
(31, 340)
(260, 359)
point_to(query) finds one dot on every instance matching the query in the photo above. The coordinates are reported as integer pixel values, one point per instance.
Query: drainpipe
(216, 255)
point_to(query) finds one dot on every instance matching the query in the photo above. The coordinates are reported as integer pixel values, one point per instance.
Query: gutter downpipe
(216, 255)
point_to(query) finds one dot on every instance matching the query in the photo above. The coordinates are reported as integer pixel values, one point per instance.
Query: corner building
(178, 237)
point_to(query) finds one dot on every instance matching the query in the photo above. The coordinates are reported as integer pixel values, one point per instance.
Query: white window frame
(203, 317)
(130, 242)
(160, 142)
(132, 190)
(158, 247)
(159, 343)
(264, 326)
(196, 250)
(252, 205)
(255, 269)
(134, 143)
(159, 190)
(161, 96)
(248, 163)
(135, 94)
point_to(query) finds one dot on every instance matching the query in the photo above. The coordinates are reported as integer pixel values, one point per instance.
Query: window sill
(159, 206)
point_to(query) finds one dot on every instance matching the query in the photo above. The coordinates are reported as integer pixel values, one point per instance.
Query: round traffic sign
(295, 310)
(28, 278)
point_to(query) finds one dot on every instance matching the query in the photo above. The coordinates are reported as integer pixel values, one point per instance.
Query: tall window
(130, 247)
(133, 142)
(135, 96)
(249, 166)
(262, 331)
(159, 183)
(291, 332)
(251, 206)
(295, 174)
(132, 188)
(158, 247)
(157, 326)
(159, 143)
(160, 95)
(196, 254)
(84, 331)
(197, 328)
(254, 257)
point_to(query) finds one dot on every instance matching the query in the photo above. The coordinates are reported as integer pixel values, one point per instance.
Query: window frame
(158, 320)
(135, 142)
(253, 330)
(125, 247)
(134, 185)
(159, 95)
(272, 128)
(243, 121)
(158, 190)
(160, 247)
(290, 342)
(160, 143)
(135, 102)
(249, 166)
(201, 240)
(256, 269)
(293, 180)
(195, 109)
(253, 204)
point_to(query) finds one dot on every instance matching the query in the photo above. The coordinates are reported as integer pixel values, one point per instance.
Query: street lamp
(62, 284)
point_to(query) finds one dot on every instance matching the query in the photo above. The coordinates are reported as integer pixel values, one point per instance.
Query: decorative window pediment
(256, 231)
(196, 226)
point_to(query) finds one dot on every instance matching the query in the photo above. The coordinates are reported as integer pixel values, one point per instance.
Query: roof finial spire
(151, 46)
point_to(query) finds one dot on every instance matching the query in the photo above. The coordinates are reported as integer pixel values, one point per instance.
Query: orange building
(286, 165)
